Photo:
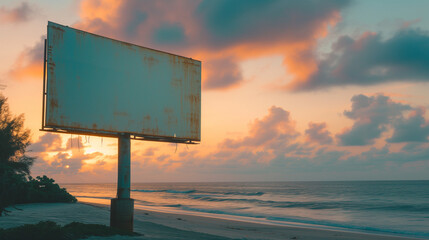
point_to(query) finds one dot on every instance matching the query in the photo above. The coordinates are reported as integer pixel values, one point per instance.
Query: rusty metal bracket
(99, 133)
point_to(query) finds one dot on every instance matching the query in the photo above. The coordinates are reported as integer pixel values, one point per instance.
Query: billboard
(100, 86)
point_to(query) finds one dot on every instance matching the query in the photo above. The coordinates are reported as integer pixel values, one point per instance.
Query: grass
(47, 230)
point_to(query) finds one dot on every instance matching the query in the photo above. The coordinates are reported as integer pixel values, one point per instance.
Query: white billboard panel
(97, 85)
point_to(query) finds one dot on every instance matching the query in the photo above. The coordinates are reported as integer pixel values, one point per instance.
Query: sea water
(380, 207)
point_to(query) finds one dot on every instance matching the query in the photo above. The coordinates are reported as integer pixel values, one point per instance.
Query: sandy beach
(158, 225)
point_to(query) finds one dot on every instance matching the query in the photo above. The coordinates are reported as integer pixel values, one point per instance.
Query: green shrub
(14, 164)
(44, 189)
(44, 230)
(12, 189)
(48, 230)
(16, 184)
(82, 230)
(16, 189)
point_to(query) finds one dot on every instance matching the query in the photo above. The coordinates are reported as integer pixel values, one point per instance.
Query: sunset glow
(290, 91)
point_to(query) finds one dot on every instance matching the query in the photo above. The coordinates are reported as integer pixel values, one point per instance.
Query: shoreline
(161, 225)
(251, 220)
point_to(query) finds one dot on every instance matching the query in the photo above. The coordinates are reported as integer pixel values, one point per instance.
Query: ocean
(380, 207)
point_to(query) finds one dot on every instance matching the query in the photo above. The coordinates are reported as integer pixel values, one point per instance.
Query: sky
(291, 90)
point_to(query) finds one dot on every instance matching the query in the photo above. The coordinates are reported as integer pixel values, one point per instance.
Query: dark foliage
(43, 230)
(12, 185)
(16, 184)
(47, 230)
(16, 189)
(44, 189)
(14, 164)
(13, 141)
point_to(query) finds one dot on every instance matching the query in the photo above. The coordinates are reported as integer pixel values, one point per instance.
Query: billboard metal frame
(122, 207)
(101, 133)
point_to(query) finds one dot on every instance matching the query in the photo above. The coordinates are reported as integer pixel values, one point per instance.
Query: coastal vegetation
(16, 184)
(47, 230)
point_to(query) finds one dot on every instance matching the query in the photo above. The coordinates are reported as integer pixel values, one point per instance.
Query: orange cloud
(271, 145)
(70, 158)
(29, 64)
(197, 31)
(104, 10)
(202, 30)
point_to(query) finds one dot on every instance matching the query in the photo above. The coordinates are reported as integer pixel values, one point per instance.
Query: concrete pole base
(121, 213)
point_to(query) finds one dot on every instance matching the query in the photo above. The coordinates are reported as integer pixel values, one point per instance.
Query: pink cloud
(318, 133)
(47, 143)
(272, 145)
(202, 30)
(275, 128)
(29, 63)
(54, 158)
(21, 13)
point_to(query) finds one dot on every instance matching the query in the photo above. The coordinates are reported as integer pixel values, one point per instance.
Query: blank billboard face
(100, 85)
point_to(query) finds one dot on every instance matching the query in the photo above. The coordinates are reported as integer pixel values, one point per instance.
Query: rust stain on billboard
(150, 60)
(122, 114)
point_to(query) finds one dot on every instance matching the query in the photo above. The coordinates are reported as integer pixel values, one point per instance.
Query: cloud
(272, 149)
(46, 143)
(413, 129)
(371, 116)
(224, 33)
(220, 33)
(222, 73)
(220, 23)
(268, 138)
(52, 157)
(29, 64)
(169, 34)
(150, 152)
(139, 22)
(273, 146)
(370, 60)
(274, 129)
(380, 156)
(64, 163)
(21, 13)
(318, 132)
(256, 21)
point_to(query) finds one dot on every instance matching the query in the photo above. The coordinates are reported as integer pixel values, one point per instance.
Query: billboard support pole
(122, 207)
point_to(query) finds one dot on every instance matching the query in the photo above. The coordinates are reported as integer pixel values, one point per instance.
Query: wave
(215, 211)
(109, 198)
(195, 191)
(143, 190)
(177, 191)
(145, 202)
(167, 191)
(173, 205)
(245, 193)
(322, 224)
(401, 207)
(313, 205)
(95, 197)
(345, 205)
